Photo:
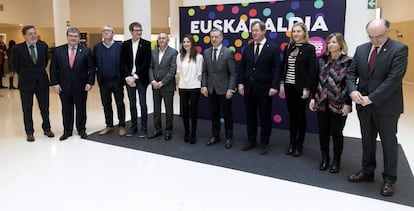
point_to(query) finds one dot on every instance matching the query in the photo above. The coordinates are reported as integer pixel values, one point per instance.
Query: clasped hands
(204, 91)
(358, 98)
(58, 89)
(156, 85)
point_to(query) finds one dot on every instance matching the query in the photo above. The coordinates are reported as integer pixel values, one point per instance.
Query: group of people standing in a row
(328, 85)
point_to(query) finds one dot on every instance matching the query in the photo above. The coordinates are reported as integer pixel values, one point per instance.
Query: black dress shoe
(168, 136)
(387, 189)
(248, 146)
(49, 134)
(30, 138)
(64, 137)
(193, 139)
(142, 134)
(83, 135)
(186, 137)
(212, 141)
(155, 134)
(131, 132)
(229, 143)
(264, 150)
(361, 176)
(297, 153)
(290, 150)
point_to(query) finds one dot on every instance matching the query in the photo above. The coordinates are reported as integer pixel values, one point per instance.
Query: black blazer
(28, 71)
(75, 78)
(142, 60)
(258, 77)
(383, 84)
(306, 72)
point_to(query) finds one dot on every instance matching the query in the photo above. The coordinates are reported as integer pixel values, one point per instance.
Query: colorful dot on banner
(245, 4)
(212, 15)
(243, 17)
(245, 35)
(252, 13)
(283, 46)
(319, 15)
(282, 95)
(288, 33)
(273, 1)
(295, 5)
(199, 49)
(320, 45)
(238, 42)
(250, 41)
(196, 38)
(273, 35)
(290, 15)
(242, 48)
(202, 7)
(220, 8)
(237, 56)
(318, 4)
(267, 12)
(277, 118)
(153, 44)
(235, 9)
(191, 12)
(232, 48)
(226, 43)
(206, 39)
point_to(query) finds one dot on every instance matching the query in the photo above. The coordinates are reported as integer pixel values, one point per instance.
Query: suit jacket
(383, 84)
(221, 74)
(142, 60)
(258, 77)
(75, 78)
(28, 71)
(306, 71)
(165, 70)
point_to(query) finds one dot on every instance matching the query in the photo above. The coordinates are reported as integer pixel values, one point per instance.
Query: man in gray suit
(374, 82)
(162, 77)
(218, 84)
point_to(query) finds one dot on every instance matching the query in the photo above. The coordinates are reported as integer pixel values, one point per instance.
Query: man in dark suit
(136, 60)
(218, 84)
(72, 74)
(30, 59)
(374, 82)
(107, 55)
(162, 77)
(259, 79)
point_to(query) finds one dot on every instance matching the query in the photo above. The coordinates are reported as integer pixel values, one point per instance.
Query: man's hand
(88, 87)
(272, 92)
(57, 88)
(204, 91)
(240, 88)
(130, 81)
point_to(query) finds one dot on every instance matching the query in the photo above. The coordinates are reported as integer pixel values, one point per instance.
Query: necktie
(32, 53)
(256, 52)
(72, 57)
(374, 54)
(215, 54)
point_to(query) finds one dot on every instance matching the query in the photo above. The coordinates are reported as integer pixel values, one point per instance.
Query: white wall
(357, 16)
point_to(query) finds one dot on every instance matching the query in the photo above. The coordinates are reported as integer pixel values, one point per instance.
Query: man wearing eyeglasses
(136, 60)
(107, 56)
(374, 82)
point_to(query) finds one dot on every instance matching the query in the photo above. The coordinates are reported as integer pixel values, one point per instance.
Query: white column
(137, 11)
(174, 21)
(61, 16)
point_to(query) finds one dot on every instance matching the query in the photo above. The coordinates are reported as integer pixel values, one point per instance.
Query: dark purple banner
(321, 16)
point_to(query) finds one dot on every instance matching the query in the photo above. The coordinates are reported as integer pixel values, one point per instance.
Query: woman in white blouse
(189, 69)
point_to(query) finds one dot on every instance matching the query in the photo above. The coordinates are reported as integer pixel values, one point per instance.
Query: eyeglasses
(137, 30)
(106, 30)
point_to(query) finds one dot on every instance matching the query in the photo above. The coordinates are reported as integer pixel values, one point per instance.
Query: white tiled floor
(82, 175)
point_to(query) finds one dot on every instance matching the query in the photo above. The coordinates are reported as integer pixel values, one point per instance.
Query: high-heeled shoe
(325, 161)
(336, 164)
(297, 153)
(186, 136)
(290, 150)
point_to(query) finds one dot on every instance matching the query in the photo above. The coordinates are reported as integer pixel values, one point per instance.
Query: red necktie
(72, 57)
(374, 54)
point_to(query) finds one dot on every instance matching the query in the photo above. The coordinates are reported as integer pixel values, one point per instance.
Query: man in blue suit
(72, 74)
(259, 78)
(374, 82)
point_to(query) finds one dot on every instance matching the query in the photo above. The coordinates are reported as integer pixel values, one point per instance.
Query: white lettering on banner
(228, 25)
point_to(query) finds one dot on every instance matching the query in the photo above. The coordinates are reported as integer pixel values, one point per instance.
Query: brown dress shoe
(105, 131)
(387, 189)
(361, 176)
(49, 134)
(30, 138)
(248, 146)
(121, 131)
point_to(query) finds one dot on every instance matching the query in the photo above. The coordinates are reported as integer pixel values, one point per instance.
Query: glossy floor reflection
(84, 175)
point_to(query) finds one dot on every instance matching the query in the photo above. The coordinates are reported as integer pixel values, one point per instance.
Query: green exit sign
(372, 4)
